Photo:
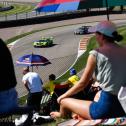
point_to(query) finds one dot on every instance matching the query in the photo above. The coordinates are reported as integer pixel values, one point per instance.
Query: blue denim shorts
(8, 101)
(108, 106)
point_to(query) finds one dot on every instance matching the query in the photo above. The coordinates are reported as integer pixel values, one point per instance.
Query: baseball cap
(105, 27)
(72, 71)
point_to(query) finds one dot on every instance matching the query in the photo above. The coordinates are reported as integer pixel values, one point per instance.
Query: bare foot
(76, 116)
(55, 114)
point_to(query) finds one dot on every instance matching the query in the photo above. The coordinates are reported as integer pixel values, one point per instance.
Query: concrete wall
(50, 18)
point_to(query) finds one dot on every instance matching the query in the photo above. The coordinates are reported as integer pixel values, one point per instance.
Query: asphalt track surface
(61, 55)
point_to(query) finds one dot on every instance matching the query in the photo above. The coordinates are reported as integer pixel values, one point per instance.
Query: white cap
(105, 27)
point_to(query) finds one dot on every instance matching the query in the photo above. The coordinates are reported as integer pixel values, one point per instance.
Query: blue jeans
(108, 106)
(8, 101)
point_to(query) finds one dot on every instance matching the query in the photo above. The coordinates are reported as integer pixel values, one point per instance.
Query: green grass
(116, 8)
(20, 36)
(18, 8)
(122, 31)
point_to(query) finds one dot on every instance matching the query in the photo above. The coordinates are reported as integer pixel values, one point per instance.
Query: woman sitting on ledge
(109, 64)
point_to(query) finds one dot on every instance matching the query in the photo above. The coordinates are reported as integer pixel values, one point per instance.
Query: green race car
(43, 42)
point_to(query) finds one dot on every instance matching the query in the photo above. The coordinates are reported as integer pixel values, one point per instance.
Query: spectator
(73, 79)
(8, 94)
(50, 86)
(109, 64)
(33, 84)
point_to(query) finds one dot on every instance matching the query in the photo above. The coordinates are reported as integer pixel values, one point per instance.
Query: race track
(62, 55)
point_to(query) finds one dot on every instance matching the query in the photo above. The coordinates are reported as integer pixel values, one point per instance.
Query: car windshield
(80, 29)
(42, 40)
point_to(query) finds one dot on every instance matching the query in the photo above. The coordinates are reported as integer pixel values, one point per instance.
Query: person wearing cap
(33, 83)
(108, 62)
(74, 78)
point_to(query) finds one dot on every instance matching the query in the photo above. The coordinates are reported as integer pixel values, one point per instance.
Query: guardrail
(51, 18)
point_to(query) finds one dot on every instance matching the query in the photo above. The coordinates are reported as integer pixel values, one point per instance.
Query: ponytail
(116, 36)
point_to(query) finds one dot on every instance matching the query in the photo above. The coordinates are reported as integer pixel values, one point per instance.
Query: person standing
(33, 84)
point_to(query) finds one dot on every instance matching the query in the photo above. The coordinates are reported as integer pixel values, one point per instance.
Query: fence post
(16, 16)
(26, 15)
(36, 13)
(5, 17)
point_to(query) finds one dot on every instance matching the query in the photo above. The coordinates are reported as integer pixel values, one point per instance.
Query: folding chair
(48, 102)
(45, 103)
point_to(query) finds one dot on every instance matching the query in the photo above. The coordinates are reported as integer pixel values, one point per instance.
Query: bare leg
(80, 107)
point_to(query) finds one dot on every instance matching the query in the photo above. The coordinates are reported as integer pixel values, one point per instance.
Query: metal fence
(33, 13)
(16, 16)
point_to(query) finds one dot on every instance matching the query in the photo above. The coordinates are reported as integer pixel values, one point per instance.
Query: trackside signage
(100, 3)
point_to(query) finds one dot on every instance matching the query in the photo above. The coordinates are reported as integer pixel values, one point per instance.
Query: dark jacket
(7, 73)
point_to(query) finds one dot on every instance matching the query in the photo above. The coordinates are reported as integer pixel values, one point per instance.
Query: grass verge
(18, 8)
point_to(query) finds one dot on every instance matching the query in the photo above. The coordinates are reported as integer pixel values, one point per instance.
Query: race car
(43, 42)
(82, 30)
